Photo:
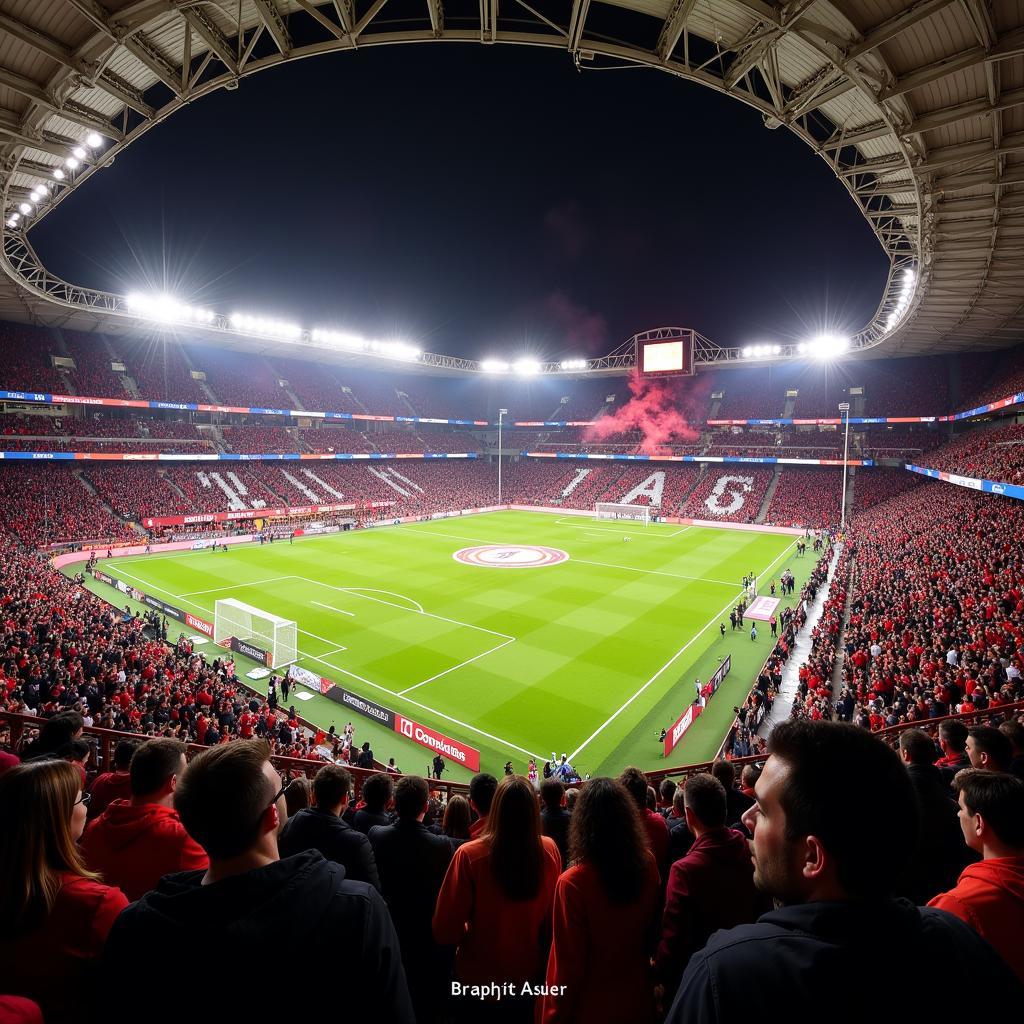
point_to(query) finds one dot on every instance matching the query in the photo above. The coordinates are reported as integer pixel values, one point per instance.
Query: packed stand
(26, 362)
(256, 439)
(807, 497)
(730, 495)
(93, 374)
(907, 443)
(989, 453)
(160, 371)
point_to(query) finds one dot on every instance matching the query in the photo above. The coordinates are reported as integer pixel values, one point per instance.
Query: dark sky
(480, 201)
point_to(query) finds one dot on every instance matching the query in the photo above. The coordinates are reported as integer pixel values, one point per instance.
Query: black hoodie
(213, 950)
(859, 961)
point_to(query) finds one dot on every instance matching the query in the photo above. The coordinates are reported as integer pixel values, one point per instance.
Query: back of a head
(606, 831)
(482, 788)
(918, 746)
(153, 765)
(513, 834)
(667, 790)
(552, 792)
(851, 791)
(636, 785)
(411, 796)
(298, 795)
(988, 740)
(331, 785)
(705, 797)
(75, 750)
(725, 772)
(750, 774)
(376, 793)
(37, 800)
(457, 817)
(57, 731)
(999, 798)
(123, 753)
(222, 796)
(1013, 730)
(954, 732)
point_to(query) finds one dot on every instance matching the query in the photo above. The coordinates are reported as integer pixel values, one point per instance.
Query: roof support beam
(76, 113)
(976, 152)
(436, 11)
(757, 44)
(44, 142)
(577, 20)
(346, 14)
(894, 26)
(40, 42)
(197, 20)
(673, 28)
(816, 95)
(142, 49)
(868, 133)
(124, 91)
(95, 14)
(965, 112)
(271, 18)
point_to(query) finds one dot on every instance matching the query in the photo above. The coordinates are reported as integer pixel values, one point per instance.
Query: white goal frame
(613, 510)
(276, 635)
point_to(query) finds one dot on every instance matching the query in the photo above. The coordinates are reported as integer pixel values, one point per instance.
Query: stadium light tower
(501, 413)
(844, 408)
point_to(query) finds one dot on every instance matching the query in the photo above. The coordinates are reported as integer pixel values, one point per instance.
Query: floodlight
(12, 221)
(827, 345)
(93, 140)
(776, 350)
(747, 352)
(574, 364)
(78, 153)
(35, 196)
(58, 174)
(526, 367)
(494, 366)
(802, 347)
(25, 208)
(71, 162)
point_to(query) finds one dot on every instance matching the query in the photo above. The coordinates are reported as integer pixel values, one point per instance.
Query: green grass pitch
(591, 656)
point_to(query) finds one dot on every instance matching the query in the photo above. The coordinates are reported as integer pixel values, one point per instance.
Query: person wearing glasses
(231, 801)
(56, 914)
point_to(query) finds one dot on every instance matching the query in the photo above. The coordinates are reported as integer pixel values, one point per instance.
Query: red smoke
(661, 410)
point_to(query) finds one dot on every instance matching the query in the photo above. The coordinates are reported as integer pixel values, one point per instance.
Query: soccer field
(591, 655)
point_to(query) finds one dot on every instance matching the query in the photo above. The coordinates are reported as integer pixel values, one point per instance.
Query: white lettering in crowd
(651, 488)
(736, 487)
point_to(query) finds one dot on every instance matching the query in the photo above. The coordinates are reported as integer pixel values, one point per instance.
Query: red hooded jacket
(134, 845)
(989, 896)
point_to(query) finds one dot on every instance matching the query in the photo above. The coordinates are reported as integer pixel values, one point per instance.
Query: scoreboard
(671, 357)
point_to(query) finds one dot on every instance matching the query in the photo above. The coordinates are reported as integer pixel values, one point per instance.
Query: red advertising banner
(468, 757)
(685, 720)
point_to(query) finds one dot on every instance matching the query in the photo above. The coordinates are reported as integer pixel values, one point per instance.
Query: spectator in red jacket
(654, 824)
(605, 906)
(711, 887)
(135, 842)
(495, 908)
(56, 914)
(989, 895)
(116, 785)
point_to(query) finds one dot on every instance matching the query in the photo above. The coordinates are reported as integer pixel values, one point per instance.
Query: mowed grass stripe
(586, 637)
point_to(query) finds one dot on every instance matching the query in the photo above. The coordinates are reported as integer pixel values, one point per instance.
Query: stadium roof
(918, 108)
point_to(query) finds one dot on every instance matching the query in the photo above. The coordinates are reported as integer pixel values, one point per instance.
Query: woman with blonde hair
(56, 913)
(495, 908)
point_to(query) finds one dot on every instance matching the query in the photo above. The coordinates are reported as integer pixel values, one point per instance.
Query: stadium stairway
(783, 706)
(768, 495)
(287, 389)
(173, 486)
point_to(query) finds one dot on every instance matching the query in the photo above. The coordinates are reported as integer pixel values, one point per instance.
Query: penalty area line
(671, 661)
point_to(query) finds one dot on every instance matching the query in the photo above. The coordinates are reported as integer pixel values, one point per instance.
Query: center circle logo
(510, 556)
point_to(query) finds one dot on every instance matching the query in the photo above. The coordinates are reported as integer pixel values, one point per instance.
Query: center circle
(510, 556)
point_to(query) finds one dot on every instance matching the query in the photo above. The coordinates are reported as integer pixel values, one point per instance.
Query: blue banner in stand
(987, 486)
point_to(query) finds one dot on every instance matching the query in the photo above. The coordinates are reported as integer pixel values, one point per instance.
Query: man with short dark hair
(711, 887)
(412, 862)
(989, 896)
(834, 825)
(655, 826)
(680, 838)
(246, 905)
(554, 818)
(135, 842)
(952, 742)
(376, 794)
(737, 803)
(320, 827)
(482, 788)
(1013, 730)
(988, 749)
(940, 855)
(115, 785)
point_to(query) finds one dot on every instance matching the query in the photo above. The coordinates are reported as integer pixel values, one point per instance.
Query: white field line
(331, 608)
(671, 661)
(391, 604)
(452, 536)
(364, 593)
(323, 639)
(369, 682)
(238, 586)
(656, 572)
(468, 661)
(337, 650)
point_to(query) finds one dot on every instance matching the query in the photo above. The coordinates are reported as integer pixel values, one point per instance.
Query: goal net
(612, 510)
(255, 633)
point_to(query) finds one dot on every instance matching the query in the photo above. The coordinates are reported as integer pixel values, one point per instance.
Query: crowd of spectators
(991, 453)
(257, 438)
(807, 497)
(729, 494)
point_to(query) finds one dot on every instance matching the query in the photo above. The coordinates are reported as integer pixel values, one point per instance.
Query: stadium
(389, 588)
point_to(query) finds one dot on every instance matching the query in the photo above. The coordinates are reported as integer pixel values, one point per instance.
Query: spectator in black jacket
(377, 790)
(412, 862)
(680, 838)
(248, 902)
(554, 818)
(941, 853)
(834, 824)
(320, 827)
(737, 802)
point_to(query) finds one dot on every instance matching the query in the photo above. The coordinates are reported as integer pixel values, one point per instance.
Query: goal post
(255, 633)
(610, 510)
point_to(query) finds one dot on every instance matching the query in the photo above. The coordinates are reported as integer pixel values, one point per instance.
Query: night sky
(479, 201)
